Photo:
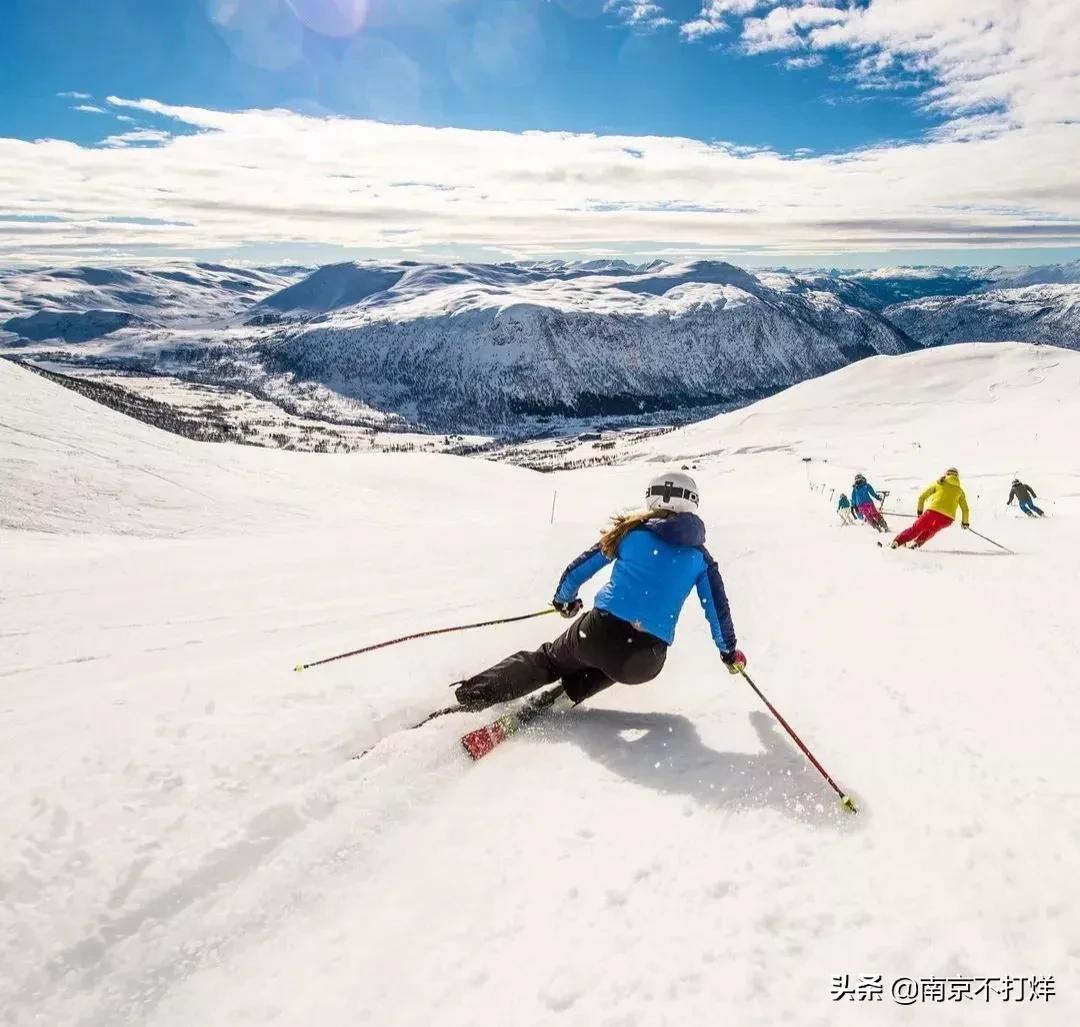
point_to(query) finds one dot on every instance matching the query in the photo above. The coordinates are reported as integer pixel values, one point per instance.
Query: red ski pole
(845, 799)
(424, 634)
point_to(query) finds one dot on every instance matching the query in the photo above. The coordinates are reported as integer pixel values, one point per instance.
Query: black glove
(567, 610)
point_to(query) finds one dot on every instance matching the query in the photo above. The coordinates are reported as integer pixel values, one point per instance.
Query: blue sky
(784, 99)
(580, 69)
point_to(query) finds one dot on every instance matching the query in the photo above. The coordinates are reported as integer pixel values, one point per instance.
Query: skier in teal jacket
(863, 495)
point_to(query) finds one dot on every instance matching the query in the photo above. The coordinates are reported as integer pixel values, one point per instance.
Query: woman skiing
(658, 555)
(863, 495)
(941, 500)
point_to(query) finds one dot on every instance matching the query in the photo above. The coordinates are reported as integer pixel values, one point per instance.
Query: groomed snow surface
(186, 841)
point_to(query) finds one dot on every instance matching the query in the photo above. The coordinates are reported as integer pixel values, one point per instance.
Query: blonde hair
(622, 524)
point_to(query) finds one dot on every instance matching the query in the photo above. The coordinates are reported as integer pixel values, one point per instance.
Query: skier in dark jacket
(657, 555)
(1025, 496)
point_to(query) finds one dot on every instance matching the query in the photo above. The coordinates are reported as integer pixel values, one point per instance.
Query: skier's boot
(471, 696)
(553, 699)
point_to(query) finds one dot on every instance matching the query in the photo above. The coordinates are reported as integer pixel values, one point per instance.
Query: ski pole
(845, 799)
(424, 634)
(884, 525)
(991, 541)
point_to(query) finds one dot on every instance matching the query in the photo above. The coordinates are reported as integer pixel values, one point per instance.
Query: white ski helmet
(673, 491)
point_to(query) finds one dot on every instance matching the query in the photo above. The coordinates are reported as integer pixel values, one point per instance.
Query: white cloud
(782, 27)
(74, 96)
(638, 13)
(137, 136)
(969, 56)
(87, 108)
(981, 54)
(714, 16)
(809, 61)
(273, 178)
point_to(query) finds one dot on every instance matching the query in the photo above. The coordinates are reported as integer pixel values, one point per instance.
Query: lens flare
(331, 17)
(263, 33)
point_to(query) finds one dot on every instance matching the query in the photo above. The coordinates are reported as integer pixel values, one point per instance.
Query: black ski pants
(596, 651)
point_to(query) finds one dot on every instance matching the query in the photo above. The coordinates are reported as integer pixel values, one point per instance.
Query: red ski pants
(870, 513)
(926, 526)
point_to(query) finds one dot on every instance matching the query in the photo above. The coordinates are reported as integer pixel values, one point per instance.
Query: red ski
(480, 742)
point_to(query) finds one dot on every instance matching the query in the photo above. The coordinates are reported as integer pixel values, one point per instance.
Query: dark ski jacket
(656, 567)
(1021, 493)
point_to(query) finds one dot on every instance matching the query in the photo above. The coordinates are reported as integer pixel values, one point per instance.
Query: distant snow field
(186, 841)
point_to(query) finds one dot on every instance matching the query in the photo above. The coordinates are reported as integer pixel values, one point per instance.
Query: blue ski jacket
(864, 493)
(656, 566)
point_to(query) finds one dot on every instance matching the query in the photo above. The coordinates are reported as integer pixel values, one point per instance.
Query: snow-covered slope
(73, 325)
(1008, 402)
(334, 286)
(1034, 313)
(70, 466)
(186, 841)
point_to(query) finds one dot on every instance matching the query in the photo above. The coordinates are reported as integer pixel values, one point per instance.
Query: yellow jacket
(944, 496)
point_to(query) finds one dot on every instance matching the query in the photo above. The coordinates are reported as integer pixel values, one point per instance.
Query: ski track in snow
(188, 842)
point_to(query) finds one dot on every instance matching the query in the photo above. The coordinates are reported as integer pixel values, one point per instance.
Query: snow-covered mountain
(885, 286)
(77, 304)
(336, 286)
(510, 346)
(453, 346)
(888, 286)
(186, 841)
(1048, 314)
(1049, 274)
(475, 346)
(73, 325)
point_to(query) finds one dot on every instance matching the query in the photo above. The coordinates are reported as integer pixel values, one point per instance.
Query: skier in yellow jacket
(940, 501)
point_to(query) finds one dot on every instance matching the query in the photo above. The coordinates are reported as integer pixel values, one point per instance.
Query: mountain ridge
(506, 347)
